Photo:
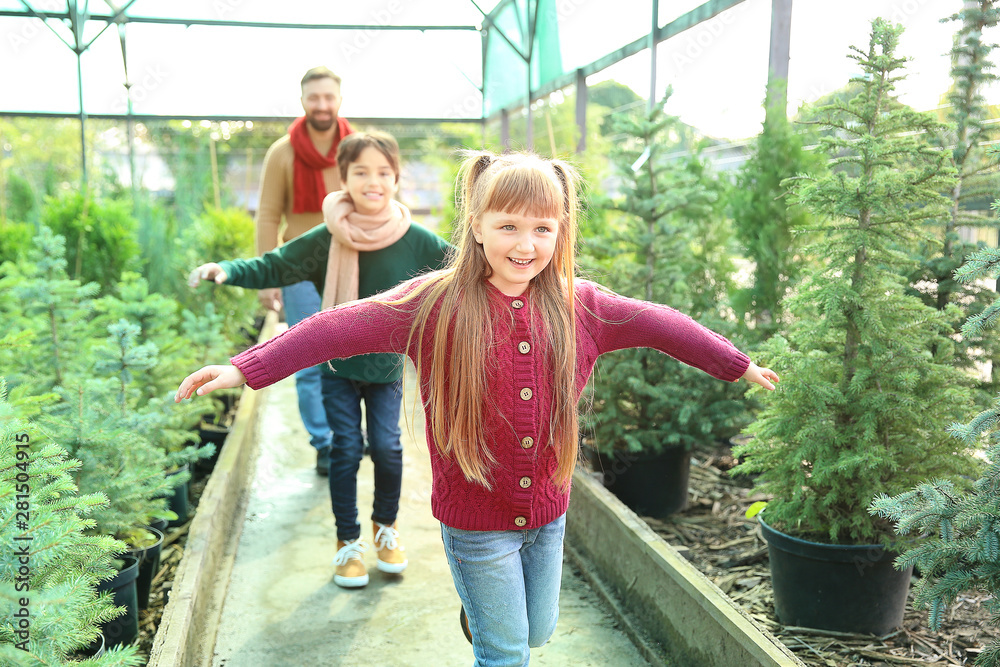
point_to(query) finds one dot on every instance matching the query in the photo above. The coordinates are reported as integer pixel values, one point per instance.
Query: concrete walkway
(282, 607)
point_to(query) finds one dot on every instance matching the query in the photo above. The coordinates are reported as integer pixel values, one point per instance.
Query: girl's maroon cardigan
(522, 494)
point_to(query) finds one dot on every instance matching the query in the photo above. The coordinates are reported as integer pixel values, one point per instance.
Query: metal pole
(83, 123)
(777, 66)
(652, 54)
(581, 110)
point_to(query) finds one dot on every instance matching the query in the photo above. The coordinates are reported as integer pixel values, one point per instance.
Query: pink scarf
(352, 233)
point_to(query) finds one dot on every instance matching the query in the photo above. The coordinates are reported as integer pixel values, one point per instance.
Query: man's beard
(321, 125)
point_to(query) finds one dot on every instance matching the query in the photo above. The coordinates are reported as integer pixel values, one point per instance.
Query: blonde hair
(458, 301)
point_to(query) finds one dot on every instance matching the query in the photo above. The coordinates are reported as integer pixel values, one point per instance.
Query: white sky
(717, 69)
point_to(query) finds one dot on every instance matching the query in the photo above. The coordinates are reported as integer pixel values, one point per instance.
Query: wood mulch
(725, 545)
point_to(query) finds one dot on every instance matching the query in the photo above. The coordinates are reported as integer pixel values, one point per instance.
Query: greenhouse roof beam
(232, 24)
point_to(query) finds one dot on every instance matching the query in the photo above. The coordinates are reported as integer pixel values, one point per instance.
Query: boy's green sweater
(305, 258)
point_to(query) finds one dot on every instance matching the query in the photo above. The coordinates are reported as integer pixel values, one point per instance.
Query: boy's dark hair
(319, 73)
(352, 145)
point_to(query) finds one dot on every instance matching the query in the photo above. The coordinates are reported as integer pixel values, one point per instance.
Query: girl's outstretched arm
(209, 379)
(762, 376)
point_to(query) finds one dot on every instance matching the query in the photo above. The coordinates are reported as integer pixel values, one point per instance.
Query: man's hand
(210, 271)
(270, 298)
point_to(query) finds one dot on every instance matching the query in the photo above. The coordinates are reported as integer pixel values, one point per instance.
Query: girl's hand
(208, 379)
(762, 376)
(210, 271)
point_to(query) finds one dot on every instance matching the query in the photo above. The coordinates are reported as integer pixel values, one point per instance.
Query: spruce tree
(764, 222)
(972, 70)
(50, 562)
(39, 296)
(962, 549)
(864, 405)
(670, 245)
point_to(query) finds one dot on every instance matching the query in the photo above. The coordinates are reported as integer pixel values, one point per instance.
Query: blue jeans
(302, 300)
(342, 400)
(508, 581)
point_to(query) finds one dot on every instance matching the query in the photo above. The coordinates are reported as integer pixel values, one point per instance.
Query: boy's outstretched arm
(209, 379)
(762, 376)
(210, 271)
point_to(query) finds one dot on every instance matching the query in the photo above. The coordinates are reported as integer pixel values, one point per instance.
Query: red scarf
(309, 188)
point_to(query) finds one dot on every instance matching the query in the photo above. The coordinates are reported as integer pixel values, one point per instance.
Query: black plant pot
(160, 524)
(215, 434)
(149, 565)
(650, 484)
(125, 628)
(178, 500)
(846, 588)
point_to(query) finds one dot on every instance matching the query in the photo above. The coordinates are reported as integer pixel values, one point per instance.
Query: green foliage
(670, 247)
(116, 458)
(962, 549)
(15, 239)
(764, 223)
(869, 385)
(220, 234)
(21, 204)
(65, 560)
(37, 296)
(100, 236)
(933, 279)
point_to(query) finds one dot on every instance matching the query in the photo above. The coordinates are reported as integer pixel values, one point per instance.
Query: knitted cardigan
(522, 493)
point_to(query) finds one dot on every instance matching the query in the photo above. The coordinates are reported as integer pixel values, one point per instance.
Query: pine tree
(670, 246)
(44, 529)
(117, 459)
(962, 552)
(764, 223)
(865, 405)
(971, 71)
(40, 297)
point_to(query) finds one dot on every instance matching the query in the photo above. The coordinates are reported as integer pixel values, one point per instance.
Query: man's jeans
(508, 581)
(302, 300)
(342, 400)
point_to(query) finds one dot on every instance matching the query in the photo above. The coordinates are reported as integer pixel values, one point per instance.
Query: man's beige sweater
(276, 192)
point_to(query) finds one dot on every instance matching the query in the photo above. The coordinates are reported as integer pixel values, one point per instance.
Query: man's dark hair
(319, 73)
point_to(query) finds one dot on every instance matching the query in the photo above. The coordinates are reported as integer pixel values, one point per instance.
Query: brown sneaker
(351, 571)
(391, 558)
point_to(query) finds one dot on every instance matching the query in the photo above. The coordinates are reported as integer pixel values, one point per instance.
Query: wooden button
(525, 482)
(523, 347)
(527, 442)
(526, 394)
(520, 522)
(517, 303)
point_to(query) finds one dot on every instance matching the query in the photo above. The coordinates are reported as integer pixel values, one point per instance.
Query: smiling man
(300, 169)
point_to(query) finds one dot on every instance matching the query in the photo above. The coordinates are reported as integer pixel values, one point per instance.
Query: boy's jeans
(302, 300)
(508, 581)
(342, 400)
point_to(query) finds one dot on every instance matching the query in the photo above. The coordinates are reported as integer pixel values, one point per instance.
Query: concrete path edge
(656, 593)
(186, 634)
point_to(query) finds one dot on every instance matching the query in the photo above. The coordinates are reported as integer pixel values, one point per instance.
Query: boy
(368, 244)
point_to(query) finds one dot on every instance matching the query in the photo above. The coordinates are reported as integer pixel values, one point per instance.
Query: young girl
(367, 245)
(504, 341)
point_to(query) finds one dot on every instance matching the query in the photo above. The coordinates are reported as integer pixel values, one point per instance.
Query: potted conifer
(960, 549)
(52, 594)
(644, 411)
(868, 387)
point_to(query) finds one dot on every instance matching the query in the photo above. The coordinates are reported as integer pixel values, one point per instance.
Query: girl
(504, 341)
(367, 245)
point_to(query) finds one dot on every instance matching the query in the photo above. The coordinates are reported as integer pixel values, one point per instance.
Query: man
(300, 169)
